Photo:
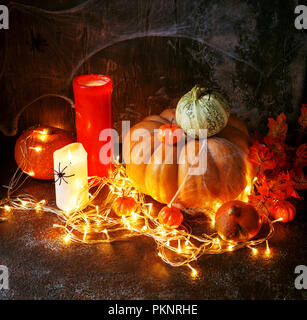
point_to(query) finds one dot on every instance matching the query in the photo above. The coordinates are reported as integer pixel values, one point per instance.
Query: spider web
(227, 33)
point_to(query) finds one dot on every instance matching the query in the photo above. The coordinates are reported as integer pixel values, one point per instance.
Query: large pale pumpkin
(227, 165)
(201, 108)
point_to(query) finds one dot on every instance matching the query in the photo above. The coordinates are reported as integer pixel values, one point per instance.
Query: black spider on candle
(61, 175)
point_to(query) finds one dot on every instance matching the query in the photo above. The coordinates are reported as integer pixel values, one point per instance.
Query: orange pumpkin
(227, 165)
(237, 221)
(283, 210)
(124, 206)
(170, 133)
(170, 217)
(34, 150)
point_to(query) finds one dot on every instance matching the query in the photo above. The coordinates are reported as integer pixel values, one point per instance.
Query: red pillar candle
(93, 103)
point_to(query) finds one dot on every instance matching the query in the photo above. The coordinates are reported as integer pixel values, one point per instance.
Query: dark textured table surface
(42, 266)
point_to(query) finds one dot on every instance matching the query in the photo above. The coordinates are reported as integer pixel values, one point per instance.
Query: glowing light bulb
(38, 149)
(277, 220)
(255, 251)
(213, 222)
(67, 238)
(7, 208)
(31, 173)
(194, 271)
(268, 250)
(179, 247)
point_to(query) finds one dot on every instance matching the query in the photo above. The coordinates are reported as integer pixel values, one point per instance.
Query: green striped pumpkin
(201, 108)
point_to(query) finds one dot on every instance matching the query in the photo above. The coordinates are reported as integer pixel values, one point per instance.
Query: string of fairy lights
(97, 223)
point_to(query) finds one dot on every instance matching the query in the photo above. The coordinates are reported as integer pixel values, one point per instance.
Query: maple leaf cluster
(279, 167)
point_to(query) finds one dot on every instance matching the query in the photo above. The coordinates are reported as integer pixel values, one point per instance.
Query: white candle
(70, 174)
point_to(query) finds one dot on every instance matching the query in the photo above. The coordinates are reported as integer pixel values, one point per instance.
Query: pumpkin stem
(196, 92)
(234, 211)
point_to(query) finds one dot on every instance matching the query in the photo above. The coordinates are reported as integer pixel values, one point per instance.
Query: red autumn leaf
(261, 157)
(302, 120)
(283, 187)
(277, 187)
(301, 156)
(278, 147)
(299, 178)
(278, 128)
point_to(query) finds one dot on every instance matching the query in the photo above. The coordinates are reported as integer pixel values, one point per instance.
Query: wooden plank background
(155, 51)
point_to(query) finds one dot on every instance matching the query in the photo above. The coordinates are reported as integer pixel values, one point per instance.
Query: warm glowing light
(85, 234)
(268, 250)
(31, 173)
(96, 83)
(177, 247)
(37, 149)
(194, 271)
(67, 238)
(213, 222)
(105, 231)
(277, 220)
(217, 205)
(43, 132)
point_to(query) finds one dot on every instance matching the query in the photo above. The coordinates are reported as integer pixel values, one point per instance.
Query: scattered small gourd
(124, 206)
(170, 217)
(35, 147)
(237, 221)
(283, 210)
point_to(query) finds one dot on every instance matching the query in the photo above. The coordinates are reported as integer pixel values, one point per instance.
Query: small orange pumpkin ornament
(124, 206)
(237, 221)
(283, 210)
(170, 133)
(170, 217)
(34, 150)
